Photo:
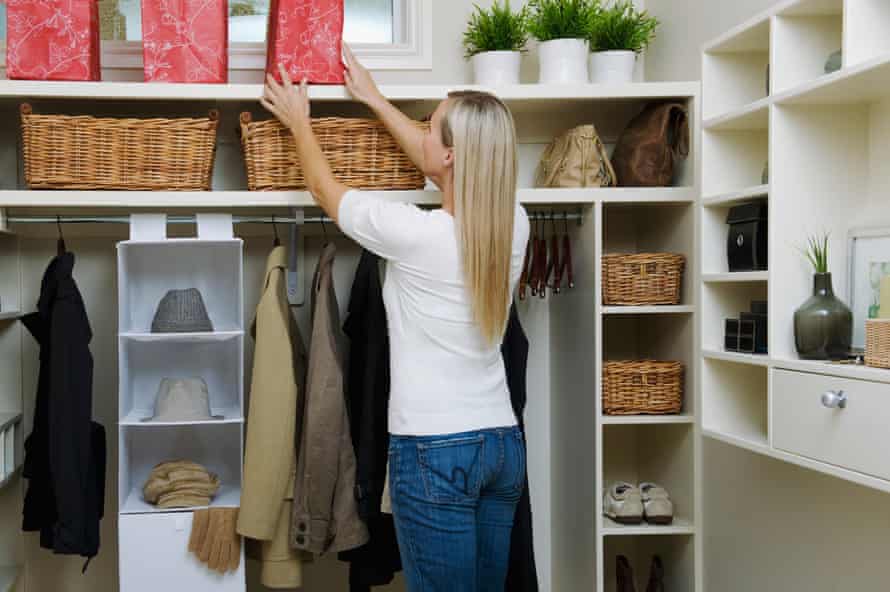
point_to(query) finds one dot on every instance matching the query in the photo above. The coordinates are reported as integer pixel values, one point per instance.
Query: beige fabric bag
(577, 158)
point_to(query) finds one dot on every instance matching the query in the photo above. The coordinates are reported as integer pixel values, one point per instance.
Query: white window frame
(416, 53)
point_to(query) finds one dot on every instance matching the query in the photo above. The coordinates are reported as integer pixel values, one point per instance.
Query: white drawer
(154, 556)
(853, 437)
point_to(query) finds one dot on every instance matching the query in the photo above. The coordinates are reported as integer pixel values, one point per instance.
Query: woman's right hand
(359, 82)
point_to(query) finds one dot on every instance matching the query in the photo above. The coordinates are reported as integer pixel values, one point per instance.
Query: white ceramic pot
(493, 68)
(612, 66)
(563, 61)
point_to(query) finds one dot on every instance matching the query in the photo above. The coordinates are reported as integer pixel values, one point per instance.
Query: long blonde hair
(480, 129)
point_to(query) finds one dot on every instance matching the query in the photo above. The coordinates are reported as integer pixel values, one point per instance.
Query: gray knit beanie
(181, 311)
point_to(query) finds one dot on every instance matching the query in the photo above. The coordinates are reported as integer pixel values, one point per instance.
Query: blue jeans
(453, 501)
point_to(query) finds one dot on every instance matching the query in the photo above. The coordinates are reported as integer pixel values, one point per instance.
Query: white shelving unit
(584, 448)
(825, 137)
(147, 270)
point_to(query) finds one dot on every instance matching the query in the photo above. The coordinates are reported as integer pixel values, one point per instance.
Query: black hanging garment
(65, 452)
(522, 573)
(367, 396)
(367, 401)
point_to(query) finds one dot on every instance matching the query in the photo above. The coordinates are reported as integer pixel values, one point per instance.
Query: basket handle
(25, 109)
(245, 117)
(213, 115)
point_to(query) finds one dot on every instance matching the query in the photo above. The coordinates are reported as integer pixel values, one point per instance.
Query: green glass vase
(823, 325)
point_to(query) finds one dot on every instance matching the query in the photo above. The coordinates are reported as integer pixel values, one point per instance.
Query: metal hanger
(60, 243)
(566, 266)
(541, 264)
(553, 263)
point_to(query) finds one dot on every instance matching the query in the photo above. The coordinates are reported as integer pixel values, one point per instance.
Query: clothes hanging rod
(534, 217)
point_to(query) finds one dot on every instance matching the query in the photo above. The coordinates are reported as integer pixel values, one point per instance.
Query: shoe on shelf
(656, 576)
(624, 575)
(657, 505)
(623, 503)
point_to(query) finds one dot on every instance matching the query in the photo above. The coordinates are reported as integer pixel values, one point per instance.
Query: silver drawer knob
(834, 399)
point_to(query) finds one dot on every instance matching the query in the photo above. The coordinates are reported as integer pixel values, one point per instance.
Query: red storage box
(52, 40)
(185, 40)
(305, 37)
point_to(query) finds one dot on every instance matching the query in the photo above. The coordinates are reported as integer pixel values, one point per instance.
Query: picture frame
(868, 260)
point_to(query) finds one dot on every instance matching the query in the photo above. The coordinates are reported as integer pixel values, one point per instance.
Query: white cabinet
(154, 557)
(834, 420)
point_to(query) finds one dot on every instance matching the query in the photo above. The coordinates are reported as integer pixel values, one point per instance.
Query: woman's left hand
(289, 103)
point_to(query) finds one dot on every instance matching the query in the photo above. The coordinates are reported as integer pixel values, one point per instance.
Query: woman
(456, 459)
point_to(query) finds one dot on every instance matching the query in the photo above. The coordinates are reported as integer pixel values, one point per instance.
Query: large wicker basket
(84, 152)
(642, 388)
(361, 153)
(877, 343)
(642, 279)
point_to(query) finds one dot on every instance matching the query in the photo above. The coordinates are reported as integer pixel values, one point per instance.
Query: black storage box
(759, 320)
(746, 245)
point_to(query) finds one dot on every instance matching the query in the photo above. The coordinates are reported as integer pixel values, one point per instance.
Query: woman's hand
(359, 82)
(288, 103)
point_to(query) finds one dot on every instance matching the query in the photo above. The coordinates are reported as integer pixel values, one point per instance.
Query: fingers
(285, 77)
(269, 106)
(199, 530)
(349, 58)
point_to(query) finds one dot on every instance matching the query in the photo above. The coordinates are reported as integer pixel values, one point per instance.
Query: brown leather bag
(654, 141)
(577, 158)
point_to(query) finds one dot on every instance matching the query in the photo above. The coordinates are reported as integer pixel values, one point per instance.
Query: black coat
(65, 452)
(367, 394)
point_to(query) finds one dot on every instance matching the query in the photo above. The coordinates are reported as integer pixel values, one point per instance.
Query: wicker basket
(644, 278)
(83, 152)
(877, 343)
(362, 154)
(642, 388)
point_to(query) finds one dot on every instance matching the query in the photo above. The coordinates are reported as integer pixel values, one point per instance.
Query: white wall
(769, 526)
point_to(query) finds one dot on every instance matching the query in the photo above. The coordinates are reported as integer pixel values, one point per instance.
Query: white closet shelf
(853, 371)
(728, 199)
(193, 337)
(635, 310)
(227, 497)
(526, 93)
(8, 419)
(647, 419)
(736, 357)
(8, 577)
(302, 199)
(761, 446)
(679, 526)
(754, 116)
(9, 315)
(736, 276)
(862, 83)
(135, 419)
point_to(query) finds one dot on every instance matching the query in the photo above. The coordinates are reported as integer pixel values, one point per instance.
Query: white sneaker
(623, 503)
(657, 505)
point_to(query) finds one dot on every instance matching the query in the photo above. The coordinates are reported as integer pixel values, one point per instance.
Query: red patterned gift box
(305, 37)
(185, 40)
(52, 40)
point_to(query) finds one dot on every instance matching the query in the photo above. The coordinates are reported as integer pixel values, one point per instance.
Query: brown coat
(270, 456)
(325, 515)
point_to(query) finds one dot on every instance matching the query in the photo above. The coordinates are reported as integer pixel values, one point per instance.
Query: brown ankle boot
(656, 576)
(625, 575)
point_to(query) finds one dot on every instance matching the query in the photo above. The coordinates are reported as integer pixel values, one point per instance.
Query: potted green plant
(617, 34)
(494, 42)
(562, 28)
(823, 325)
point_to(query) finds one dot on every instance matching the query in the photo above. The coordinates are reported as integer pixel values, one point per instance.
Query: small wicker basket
(361, 152)
(642, 387)
(642, 279)
(84, 152)
(877, 343)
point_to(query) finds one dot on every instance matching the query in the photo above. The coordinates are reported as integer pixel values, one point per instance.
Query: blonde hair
(480, 129)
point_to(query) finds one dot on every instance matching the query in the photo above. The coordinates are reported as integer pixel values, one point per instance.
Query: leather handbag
(650, 147)
(577, 158)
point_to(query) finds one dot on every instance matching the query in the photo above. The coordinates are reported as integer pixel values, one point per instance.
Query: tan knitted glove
(221, 549)
(200, 522)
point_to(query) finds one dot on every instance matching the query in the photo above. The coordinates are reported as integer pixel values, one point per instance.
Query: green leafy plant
(496, 29)
(816, 252)
(561, 19)
(620, 26)
(244, 8)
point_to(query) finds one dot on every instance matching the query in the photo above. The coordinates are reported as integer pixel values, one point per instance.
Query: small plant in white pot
(494, 42)
(562, 27)
(618, 33)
